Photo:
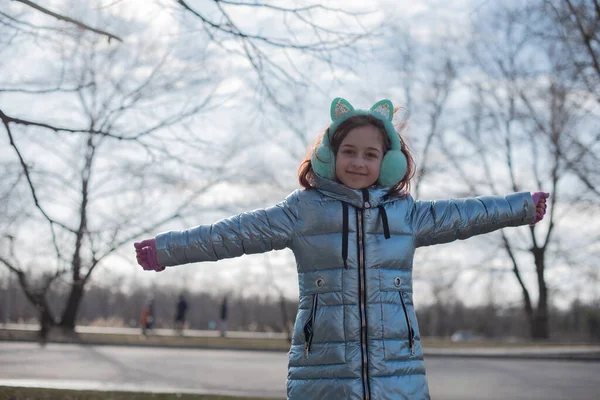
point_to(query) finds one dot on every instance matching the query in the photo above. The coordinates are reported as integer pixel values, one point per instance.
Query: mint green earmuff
(393, 165)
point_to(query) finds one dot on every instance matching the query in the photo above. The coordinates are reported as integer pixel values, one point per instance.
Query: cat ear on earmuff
(339, 107)
(385, 108)
(394, 164)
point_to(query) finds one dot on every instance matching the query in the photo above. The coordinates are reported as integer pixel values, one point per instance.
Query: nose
(358, 162)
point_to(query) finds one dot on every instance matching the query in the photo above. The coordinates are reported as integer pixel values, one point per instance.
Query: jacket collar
(338, 191)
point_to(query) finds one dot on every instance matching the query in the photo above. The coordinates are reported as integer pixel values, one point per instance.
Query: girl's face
(359, 157)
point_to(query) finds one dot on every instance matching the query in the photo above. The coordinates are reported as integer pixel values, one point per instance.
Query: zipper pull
(306, 349)
(412, 347)
(365, 193)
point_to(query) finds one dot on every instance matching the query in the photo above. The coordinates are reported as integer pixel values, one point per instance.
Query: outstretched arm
(444, 221)
(257, 231)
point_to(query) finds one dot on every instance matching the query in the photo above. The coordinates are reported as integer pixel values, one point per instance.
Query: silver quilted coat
(356, 334)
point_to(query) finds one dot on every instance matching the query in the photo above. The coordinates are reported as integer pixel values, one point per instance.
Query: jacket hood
(371, 197)
(375, 194)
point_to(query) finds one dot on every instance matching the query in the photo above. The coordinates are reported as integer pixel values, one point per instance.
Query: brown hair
(401, 189)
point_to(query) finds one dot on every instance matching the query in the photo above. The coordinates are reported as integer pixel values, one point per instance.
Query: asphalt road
(263, 373)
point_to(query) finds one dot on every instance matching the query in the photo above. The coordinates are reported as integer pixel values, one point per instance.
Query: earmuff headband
(393, 165)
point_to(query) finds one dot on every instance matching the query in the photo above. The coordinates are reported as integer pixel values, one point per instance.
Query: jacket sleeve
(251, 232)
(444, 221)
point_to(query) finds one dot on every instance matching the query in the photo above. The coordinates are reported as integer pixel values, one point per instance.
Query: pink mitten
(539, 200)
(146, 255)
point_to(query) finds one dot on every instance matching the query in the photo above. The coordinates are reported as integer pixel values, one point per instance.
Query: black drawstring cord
(384, 219)
(345, 234)
(365, 193)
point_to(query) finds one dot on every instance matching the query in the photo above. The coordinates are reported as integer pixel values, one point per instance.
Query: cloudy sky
(269, 138)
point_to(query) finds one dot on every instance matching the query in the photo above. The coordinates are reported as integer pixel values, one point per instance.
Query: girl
(353, 230)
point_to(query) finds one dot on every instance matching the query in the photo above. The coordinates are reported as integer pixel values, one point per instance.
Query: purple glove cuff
(146, 255)
(539, 202)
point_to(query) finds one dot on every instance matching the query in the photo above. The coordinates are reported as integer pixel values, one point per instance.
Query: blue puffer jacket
(356, 334)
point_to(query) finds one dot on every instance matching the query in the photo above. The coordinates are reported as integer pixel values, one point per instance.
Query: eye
(372, 155)
(348, 151)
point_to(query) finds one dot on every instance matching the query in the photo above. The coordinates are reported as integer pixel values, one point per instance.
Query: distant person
(223, 317)
(354, 229)
(147, 318)
(44, 329)
(180, 311)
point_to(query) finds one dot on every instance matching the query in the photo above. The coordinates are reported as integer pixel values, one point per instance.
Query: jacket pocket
(411, 332)
(309, 326)
(319, 331)
(399, 331)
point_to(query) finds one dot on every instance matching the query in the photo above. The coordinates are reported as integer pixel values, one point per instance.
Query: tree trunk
(69, 316)
(46, 323)
(539, 326)
(284, 316)
(540, 323)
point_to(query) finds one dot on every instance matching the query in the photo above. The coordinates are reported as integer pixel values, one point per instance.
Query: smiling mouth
(355, 173)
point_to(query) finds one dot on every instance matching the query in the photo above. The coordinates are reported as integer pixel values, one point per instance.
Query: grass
(18, 393)
(239, 343)
(152, 340)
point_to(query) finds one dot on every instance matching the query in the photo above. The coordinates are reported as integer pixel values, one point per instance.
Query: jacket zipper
(309, 327)
(363, 295)
(411, 333)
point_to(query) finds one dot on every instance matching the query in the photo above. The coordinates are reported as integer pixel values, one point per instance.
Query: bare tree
(70, 21)
(286, 319)
(573, 26)
(569, 30)
(523, 114)
(527, 126)
(313, 30)
(94, 186)
(120, 126)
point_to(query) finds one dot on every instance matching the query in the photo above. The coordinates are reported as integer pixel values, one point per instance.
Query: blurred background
(122, 119)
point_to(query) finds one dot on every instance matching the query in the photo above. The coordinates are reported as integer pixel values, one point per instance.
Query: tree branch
(37, 296)
(45, 91)
(587, 39)
(7, 119)
(79, 24)
(526, 297)
(291, 10)
(176, 214)
(231, 29)
(32, 188)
